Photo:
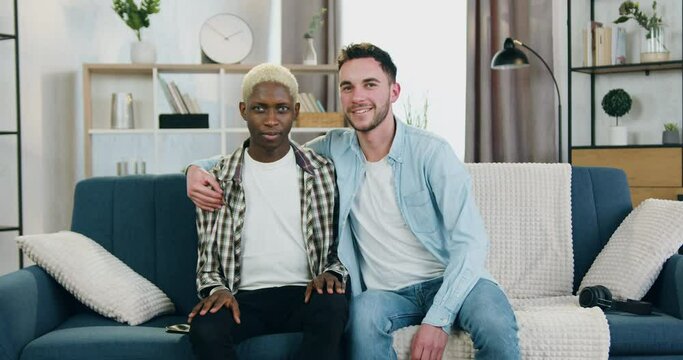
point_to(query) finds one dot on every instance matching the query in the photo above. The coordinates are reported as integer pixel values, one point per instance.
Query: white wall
(428, 47)
(58, 36)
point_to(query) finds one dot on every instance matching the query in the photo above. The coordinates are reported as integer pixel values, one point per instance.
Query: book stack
(186, 112)
(309, 103)
(181, 103)
(603, 45)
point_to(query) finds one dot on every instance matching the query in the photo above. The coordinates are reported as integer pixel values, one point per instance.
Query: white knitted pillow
(95, 277)
(633, 257)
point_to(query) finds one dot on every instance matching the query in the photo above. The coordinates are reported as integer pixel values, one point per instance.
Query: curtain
(511, 114)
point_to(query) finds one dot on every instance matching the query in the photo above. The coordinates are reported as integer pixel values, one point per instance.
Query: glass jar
(653, 45)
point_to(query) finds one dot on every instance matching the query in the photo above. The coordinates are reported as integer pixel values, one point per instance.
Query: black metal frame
(601, 70)
(20, 226)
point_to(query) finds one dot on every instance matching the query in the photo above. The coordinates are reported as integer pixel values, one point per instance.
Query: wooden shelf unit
(142, 80)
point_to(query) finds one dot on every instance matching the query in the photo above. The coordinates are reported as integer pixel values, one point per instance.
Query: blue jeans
(485, 314)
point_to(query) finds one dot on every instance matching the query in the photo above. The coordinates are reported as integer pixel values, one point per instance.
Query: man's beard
(380, 115)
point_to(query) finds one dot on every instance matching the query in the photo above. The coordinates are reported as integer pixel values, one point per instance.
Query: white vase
(310, 56)
(618, 135)
(143, 52)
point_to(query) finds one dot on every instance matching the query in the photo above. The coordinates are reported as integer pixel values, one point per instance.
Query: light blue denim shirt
(434, 194)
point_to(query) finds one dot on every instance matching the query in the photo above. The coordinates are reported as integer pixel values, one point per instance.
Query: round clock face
(226, 38)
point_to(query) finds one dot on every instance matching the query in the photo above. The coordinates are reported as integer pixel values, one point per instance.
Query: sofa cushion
(95, 277)
(634, 255)
(656, 334)
(89, 336)
(600, 201)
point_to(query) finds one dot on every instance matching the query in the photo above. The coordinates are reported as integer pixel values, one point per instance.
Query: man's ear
(297, 107)
(243, 110)
(395, 91)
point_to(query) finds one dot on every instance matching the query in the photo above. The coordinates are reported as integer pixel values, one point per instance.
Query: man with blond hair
(267, 260)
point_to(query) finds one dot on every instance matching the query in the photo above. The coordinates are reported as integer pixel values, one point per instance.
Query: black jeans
(271, 311)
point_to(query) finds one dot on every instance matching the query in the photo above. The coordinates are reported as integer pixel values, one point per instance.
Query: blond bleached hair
(269, 73)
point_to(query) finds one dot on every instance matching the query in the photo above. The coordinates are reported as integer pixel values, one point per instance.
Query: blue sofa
(148, 222)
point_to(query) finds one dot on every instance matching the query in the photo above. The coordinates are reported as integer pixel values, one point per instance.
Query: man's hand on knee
(214, 302)
(327, 282)
(428, 343)
(203, 189)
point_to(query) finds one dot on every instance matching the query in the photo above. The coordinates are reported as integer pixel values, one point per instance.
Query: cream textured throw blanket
(527, 212)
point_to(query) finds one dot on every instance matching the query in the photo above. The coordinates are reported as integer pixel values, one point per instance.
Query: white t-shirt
(391, 256)
(273, 250)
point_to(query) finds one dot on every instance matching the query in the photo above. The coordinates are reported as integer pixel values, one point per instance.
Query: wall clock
(226, 38)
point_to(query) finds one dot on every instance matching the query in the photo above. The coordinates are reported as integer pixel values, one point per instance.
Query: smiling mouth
(362, 110)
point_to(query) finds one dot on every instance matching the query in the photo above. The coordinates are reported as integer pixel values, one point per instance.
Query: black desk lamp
(512, 58)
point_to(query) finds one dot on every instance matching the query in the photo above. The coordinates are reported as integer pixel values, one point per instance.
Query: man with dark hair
(274, 234)
(410, 232)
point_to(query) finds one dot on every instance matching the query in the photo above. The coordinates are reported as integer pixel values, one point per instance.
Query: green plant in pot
(652, 43)
(137, 17)
(317, 20)
(617, 103)
(671, 134)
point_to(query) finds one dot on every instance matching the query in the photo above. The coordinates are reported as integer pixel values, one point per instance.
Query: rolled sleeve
(206, 164)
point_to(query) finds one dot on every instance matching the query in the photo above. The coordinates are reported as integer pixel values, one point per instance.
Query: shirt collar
(397, 144)
(299, 155)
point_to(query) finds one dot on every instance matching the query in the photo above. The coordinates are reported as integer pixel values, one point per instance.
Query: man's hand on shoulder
(203, 189)
(428, 343)
(326, 281)
(214, 302)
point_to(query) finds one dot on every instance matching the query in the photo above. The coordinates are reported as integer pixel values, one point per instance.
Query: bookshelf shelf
(217, 89)
(629, 68)
(120, 132)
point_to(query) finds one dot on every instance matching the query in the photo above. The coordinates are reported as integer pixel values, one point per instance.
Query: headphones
(600, 296)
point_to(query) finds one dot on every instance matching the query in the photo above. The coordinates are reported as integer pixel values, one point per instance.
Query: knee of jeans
(492, 325)
(365, 314)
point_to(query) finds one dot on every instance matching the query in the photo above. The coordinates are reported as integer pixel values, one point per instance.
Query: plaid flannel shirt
(220, 231)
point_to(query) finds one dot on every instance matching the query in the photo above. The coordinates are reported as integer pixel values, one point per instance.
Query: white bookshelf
(217, 90)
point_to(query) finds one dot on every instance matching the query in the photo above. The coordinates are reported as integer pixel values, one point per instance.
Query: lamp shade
(509, 58)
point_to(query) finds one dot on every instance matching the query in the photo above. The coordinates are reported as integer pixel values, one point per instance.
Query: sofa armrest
(31, 304)
(667, 292)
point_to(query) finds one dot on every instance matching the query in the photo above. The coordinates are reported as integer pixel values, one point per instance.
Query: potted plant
(137, 17)
(616, 103)
(652, 44)
(310, 56)
(671, 135)
(416, 118)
